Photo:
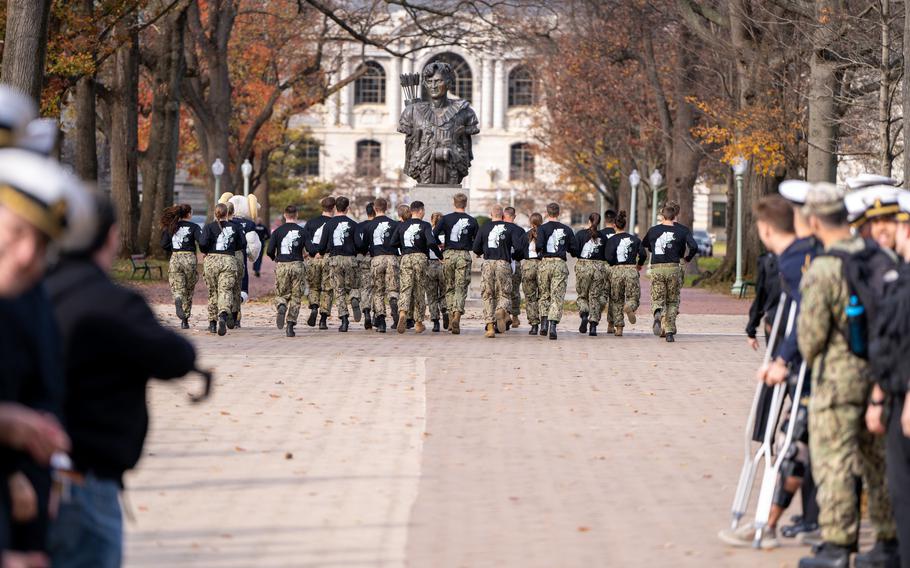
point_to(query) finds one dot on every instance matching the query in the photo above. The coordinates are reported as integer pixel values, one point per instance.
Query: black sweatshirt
(222, 237)
(415, 236)
(624, 249)
(668, 243)
(312, 233)
(555, 239)
(527, 249)
(495, 241)
(767, 293)
(286, 243)
(588, 248)
(338, 237)
(376, 237)
(184, 238)
(458, 231)
(516, 232)
(113, 345)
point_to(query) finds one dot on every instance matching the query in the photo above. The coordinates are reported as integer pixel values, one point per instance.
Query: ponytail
(593, 223)
(172, 215)
(536, 220)
(620, 221)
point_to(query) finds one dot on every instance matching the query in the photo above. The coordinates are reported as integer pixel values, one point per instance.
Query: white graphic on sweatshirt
(410, 235)
(532, 250)
(180, 237)
(317, 236)
(556, 240)
(663, 242)
(591, 247)
(458, 231)
(289, 242)
(224, 238)
(623, 249)
(380, 233)
(496, 236)
(342, 230)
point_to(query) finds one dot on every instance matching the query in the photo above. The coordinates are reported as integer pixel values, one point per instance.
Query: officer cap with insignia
(794, 190)
(869, 180)
(903, 203)
(16, 110)
(35, 188)
(872, 202)
(823, 198)
(40, 135)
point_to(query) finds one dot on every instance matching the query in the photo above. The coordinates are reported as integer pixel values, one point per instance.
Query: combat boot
(610, 328)
(670, 338)
(456, 323)
(544, 324)
(583, 328)
(534, 329)
(419, 327)
(592, 329)
(222, 323)
(314, 313)
(178, 305)
(445, 319)
(884, 554)
(256, 273)
(380, 324)
(491, 333)
(393, 309)
(279, 319)
(827, 556)
(229, 319)
(410, 323)
(367, 321)
(656, 327)
(515, 321)
(213, 327)
(355, 307)
(630, 313)
(553, 330)
(290, 329)
(237, 321)
(323, 321)
(184, 324)
(501, 318)
(436, 326)
(402, 324)
(617, 331)
(343, 328)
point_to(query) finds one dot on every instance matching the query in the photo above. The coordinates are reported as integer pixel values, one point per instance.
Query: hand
(38, 434)
(874, 420)
(24, 560)
(777, 373)
(753, 343)
(905, 416)
(23, 499)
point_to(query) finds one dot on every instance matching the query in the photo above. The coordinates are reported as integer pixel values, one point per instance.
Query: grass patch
(122, 270)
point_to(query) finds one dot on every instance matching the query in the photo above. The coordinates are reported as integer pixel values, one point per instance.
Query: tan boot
(456, 323)
(630, 313)
(402, 321)
(617, 331)
(491, 332)
(419, 327)
(501, 318)
(515, 321)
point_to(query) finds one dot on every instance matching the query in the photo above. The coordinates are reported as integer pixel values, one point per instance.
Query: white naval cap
(872, 202)
(869, 180)
(36, 188)
(40, 136)
(903, 203)
(16, 110)
(794, 190)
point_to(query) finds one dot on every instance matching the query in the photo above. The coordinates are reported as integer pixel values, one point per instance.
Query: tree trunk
(823, 88)
(884, 93)
(25, 45)
(906, 87)
(685, 159)
(86, 141)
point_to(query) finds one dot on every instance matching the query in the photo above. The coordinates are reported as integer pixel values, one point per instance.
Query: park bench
(141, 265)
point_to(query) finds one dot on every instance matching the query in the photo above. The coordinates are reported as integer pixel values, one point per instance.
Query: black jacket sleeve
(478, 243)
(323, 246)
(395, 240)
(691, 245)
(757, 309)
(273, 246)
(519, 251)
(572, 242)
(166, 243)
(642, 254)
(432, 243)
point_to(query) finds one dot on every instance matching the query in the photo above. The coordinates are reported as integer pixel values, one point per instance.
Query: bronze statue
(437, 133)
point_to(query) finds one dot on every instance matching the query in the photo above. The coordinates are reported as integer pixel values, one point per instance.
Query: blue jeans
(88, 530)
(257, 264)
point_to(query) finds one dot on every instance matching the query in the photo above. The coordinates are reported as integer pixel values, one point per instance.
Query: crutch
(769, 480)
(750, 457)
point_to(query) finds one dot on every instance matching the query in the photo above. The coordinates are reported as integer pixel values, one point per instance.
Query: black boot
(410, 323)
(323, 319)
(367, 321)
(237, 320)
(355, 308)
(800, 525)
(178, 305)
(222, 323)
(592, 329)
(583, 328)
(445, 319)
(534, 329)
(184, 324)
(282, 312)
(213, 327)
(883, 555)
(656, 327)
(314, 313)
(229, 319)
(380, 324)
(435, 326)
(544, 325)
(290, 330)
(344, 324)
(670, 338)
(393, 308)
(553, 330)
(827, 556)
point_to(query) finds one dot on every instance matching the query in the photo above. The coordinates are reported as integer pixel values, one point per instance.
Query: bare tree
(25, 45)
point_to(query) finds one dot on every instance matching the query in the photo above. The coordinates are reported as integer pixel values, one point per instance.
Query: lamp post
(512, 196)
(217, 171)
(656, 179)
(246, 168)
(740, 166)
(634, 180)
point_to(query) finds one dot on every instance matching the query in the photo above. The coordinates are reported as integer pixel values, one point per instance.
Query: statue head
(438, 79)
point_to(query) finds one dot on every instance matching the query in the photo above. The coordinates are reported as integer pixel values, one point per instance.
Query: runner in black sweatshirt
(457, 230)
(414, 238)
(376, 238)
(589, 275)
(495, 243)
(337, 244)
(286, 249)
(554, 240)
(317, 268)
(626, 256)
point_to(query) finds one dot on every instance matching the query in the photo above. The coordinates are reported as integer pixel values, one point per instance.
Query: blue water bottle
(856, 327)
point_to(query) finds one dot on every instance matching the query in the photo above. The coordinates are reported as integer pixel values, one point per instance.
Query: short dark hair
(417, 206)
(776, 211)
(371, 210)
(553, 209)
(835, 219)
(341, 203)
(404, 212)
(221, 211)
(670, 211)
(327, 203)
(290, 211)
(610, 216)
(510, 211)
(460, 200)
(381, 204)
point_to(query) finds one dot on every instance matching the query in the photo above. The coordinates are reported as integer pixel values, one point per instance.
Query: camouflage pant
(384, 276)
(605, 271)
(343, 271)
(220, 271)
(289, 278)
(319, 281)
(625, 290)
(182, 276)
(532, 292)
(843, 450)
(589, 284)
(495, 287)
(241, 270)
(515, 293)
(364, 289)
(458, 278)
(436, 288)
(665, 294)
(552, 276)
(413, 280)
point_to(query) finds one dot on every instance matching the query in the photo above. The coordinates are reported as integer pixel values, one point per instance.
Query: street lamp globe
(218, 168)
(740, 166)
(656, 178)
(634, 179)
(246, 168)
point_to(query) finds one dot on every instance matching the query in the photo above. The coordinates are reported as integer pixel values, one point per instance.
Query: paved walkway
(441, 451)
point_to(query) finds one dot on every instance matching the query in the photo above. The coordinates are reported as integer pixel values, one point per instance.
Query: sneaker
(744, 537)
(630, 313)
(282, 312)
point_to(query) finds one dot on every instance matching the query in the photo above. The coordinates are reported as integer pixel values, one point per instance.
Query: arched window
(368, 159)
(308, 156)
(464, 80)
(521, 162)
(522, 91)
(369, 88)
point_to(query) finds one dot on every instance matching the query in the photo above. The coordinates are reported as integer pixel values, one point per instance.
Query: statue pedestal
(437, 197)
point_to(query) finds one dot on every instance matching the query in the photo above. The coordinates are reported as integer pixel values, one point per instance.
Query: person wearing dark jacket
(495, 243)
(376, 239)
(286, 249)
(589, 281)
(668, 243)
(112, 346)
(317, 267)
(179, 237)
(337, 245)
(220, 240)
(530, 261)
(242, 286)
(415, 239)
(625, 255)
(554, 241)
(264, 233)
(767, 296)
(508, 215)
(457, 231)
